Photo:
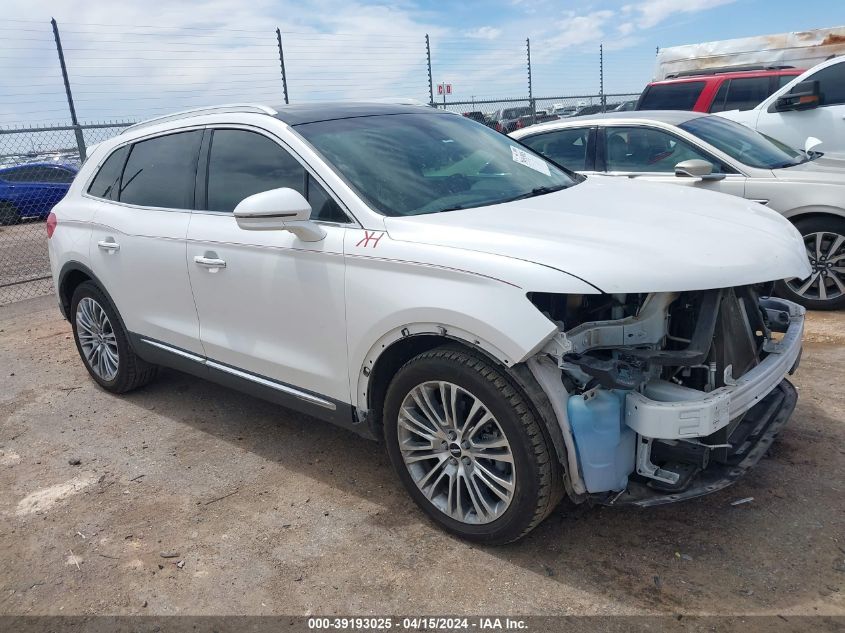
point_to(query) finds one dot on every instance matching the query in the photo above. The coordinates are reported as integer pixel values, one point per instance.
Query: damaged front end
(667, 396)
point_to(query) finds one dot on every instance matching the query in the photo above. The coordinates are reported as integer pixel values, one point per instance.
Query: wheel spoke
(409, 420)
(808, 283)
(434, 471)
(493, 477)
(479, 504)
(818, 246)
(421, 397)
(834, 247)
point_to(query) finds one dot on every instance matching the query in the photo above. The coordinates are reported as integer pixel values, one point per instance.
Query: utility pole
(80, 139)
(282, 62)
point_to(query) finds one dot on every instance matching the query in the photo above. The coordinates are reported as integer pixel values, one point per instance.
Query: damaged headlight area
(667, 396)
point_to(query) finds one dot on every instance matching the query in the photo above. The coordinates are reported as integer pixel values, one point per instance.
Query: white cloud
(484, 33)
(650, 13)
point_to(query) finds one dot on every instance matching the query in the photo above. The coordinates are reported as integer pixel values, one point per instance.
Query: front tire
(469, 448)
(8, 214)
(824, 289)
(103, 343)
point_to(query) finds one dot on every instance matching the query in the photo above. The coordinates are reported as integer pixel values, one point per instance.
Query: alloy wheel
(456, 452)
(97, 339)
(826, 251)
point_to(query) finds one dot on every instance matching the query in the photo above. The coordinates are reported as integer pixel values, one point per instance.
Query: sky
(139, 58)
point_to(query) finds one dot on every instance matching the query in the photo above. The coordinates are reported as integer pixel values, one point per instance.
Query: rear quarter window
(107, 181)
(673, 96)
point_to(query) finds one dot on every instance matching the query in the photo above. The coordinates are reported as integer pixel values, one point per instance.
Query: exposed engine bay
(666, 390)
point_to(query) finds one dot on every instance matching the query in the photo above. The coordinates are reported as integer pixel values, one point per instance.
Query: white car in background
(707, 152)
(514, 333)
(810, 106)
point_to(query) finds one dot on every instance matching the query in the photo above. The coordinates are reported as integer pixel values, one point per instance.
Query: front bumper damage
(662, 441)
(749, 442)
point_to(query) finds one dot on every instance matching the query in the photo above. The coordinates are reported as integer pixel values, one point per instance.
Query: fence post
(602, 98)
(430, 80)
(530, 86)
(80, 139)
(282, 62)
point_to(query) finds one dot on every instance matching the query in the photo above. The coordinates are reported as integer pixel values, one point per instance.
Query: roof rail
(251, 108)
(724, 69)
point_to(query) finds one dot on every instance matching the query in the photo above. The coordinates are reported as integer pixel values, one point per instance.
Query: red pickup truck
(716, 90)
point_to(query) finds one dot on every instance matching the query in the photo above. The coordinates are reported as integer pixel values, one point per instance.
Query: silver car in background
(713, 153)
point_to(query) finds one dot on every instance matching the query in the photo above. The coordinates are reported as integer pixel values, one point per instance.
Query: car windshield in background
(411, 164)
(672, 96)
(742, 143)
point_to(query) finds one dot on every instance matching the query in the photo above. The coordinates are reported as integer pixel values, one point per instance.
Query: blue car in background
(31, 190)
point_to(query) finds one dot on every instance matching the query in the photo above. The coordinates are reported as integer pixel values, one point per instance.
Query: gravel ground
(187, 498)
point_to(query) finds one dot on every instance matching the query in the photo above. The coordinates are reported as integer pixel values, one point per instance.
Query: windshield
(742, 143)
(410, 164)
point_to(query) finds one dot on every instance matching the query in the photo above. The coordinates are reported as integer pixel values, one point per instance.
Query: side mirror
(280, 209)
(804, 96)
(696, 168)
(811, 144)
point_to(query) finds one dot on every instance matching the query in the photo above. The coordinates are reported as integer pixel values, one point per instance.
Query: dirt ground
(185, 497)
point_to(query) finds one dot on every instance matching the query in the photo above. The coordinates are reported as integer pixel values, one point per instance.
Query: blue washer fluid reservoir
(605, 444)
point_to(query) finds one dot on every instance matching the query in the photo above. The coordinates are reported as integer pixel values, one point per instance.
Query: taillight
(51, 224)
(499, 127)
(519, 124)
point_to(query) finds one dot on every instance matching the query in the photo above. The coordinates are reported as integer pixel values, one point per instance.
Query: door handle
(108, 245)
(209, 262)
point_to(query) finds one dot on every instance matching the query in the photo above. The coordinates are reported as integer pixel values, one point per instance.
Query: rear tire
(492, 474)
(103, 344)
(824, 237)
(8, 214)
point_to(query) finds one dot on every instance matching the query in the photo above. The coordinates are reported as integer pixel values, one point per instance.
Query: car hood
(826, 169)
(623, 236)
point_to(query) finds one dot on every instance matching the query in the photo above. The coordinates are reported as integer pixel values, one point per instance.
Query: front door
(825, 122)
(269, 304)
(648, 153)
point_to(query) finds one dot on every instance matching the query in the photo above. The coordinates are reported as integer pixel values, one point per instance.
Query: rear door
(273, 310)
(143, 194)
(651, 153)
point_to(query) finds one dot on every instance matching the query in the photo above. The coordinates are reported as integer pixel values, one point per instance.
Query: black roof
(326, 111)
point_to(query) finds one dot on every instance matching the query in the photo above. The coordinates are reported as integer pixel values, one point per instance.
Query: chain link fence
(37, 165)
(507, 115)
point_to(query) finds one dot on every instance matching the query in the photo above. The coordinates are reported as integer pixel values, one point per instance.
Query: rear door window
(682, 95)
(565, 147)
(161, 171)
(747, 93)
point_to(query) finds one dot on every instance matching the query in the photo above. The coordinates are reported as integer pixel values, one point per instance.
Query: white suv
(513, 332)
(810, 106)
